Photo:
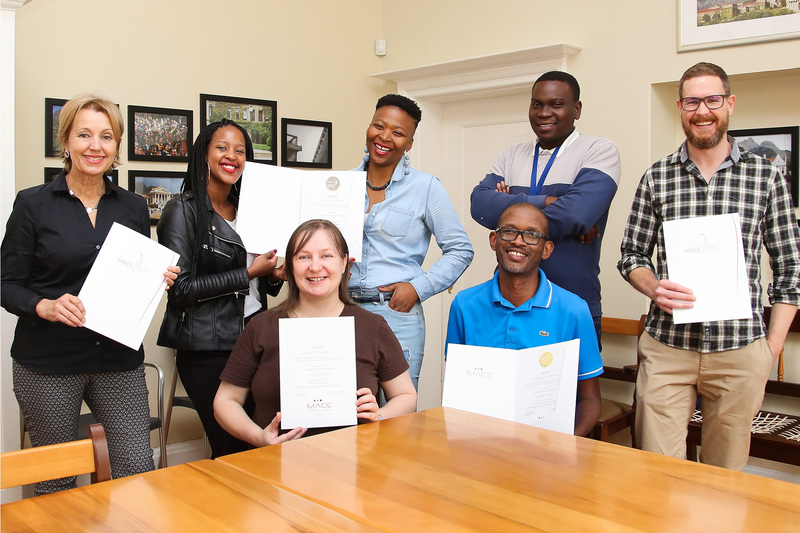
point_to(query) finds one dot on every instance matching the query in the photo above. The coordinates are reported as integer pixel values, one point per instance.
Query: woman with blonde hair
(52, 239)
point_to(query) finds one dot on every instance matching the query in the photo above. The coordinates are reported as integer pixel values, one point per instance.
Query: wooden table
(447, 470)
(194, 497)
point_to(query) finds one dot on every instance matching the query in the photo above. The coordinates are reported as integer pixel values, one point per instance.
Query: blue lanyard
(536, 187)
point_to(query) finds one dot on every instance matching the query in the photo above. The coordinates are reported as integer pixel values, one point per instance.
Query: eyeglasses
(529, 237)
(714, 101)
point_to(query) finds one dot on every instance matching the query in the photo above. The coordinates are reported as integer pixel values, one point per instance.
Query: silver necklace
(88, 208)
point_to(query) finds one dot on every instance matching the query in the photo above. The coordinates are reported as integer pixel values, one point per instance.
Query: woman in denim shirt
(403, 207)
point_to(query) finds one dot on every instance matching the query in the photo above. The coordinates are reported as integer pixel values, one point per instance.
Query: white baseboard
(182, 452)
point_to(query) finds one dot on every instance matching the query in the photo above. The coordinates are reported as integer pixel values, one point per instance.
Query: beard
(709, 141)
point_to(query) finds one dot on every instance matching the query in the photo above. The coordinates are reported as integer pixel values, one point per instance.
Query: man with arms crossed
(572, 177)
(728, 362)
(520, 308)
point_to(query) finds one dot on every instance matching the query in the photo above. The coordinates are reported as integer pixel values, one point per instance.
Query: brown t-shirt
(255, 363)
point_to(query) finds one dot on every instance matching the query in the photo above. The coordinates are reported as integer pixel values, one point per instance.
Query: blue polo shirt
(480, 316)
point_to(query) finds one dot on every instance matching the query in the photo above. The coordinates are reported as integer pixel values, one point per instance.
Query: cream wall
(314, 58)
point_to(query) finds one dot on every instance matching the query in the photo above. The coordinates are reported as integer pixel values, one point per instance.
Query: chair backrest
(623, 326)
(74, 458)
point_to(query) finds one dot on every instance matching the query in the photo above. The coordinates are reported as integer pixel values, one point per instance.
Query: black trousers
(199, 373)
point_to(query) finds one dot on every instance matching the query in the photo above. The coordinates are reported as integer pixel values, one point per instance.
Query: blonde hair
(66, 118)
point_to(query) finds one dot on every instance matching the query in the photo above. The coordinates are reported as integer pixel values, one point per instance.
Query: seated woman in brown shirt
(317, 269)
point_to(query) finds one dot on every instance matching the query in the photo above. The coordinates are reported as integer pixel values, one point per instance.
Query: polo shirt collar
(543, 297)
(566, 144)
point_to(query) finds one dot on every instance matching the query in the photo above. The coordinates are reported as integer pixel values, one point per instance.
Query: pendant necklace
(89, 209)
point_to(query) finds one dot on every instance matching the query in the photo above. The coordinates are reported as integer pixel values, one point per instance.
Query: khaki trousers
(731, 385)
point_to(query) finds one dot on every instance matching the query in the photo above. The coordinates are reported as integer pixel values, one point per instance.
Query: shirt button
(511, 329)
(97, 343)
(374, 214)
(365, 255)
(96, 246)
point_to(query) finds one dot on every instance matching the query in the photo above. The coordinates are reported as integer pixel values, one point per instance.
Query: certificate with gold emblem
(275, 200)
(534, 386)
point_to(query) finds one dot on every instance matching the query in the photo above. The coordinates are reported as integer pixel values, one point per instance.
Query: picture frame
(306, 143)
(157, 187)
(713, 24)
(779, 145)
(50, 174)
(52, 108)
(159, 134)
(257, 117)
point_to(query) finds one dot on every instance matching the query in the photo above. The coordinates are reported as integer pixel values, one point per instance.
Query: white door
(473, 133)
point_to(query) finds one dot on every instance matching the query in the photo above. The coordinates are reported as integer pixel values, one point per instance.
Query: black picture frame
(779, 145)
(306, 143)
(257, 117)
(146, 182)
(50, 174)
(52, 108)
(159, 134)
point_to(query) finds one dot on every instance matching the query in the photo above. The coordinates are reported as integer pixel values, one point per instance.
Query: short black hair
(403, 102)
(569, 79)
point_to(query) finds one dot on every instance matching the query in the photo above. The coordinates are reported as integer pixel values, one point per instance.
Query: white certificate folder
(125, 285)
(533, 386)
(706, 255)
(275, 200)
(318, 372)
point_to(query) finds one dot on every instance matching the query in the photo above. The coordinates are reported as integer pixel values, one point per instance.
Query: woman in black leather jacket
(219, 287)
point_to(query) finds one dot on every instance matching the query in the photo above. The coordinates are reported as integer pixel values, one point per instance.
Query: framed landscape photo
(159, 134)
(306, 143)
(157, 187)
(257, 117)
(712, 24)
(52, 108)
(779, 145)
(50, 174)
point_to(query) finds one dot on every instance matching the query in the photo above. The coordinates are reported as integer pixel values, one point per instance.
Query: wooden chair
(74, 458)
(614, 415)
(774, 436)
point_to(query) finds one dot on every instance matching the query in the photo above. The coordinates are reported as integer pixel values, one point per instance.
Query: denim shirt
(397, 233)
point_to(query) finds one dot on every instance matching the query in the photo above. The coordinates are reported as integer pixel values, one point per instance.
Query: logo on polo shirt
(544, 333)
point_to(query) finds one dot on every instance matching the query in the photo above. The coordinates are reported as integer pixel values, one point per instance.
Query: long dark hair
(299, 238)
(196, 179)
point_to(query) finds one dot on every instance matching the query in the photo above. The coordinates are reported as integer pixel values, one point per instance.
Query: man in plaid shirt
(727, 362)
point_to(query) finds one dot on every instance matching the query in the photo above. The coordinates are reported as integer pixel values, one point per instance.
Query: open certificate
(534, 386)
(125, 285)
(275, 200)
(706, 255)
(318, 372)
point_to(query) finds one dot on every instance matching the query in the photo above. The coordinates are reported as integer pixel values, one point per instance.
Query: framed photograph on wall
(50, 174)
(157, 187)
(306, 143)
(713, 24)
(779, 145)
(159, 134)
(52, 108)
(257, 117)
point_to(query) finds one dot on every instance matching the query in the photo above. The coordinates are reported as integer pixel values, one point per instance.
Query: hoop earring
(66, 154)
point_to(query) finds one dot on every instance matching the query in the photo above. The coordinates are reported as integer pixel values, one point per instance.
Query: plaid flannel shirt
(745, 183)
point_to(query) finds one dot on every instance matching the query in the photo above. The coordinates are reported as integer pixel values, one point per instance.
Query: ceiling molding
(480, 77)
(12, 5)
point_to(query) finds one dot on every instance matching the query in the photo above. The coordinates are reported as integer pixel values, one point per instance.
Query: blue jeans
(409, 328)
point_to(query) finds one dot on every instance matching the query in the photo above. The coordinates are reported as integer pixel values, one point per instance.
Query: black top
(48, 249)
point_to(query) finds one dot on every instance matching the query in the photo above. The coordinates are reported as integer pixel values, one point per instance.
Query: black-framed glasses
(529, 237)
(691, 103)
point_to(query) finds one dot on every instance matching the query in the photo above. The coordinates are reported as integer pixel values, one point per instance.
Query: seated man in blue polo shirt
(519, 307)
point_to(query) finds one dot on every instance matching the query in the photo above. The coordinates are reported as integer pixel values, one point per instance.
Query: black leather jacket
(205, 308)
